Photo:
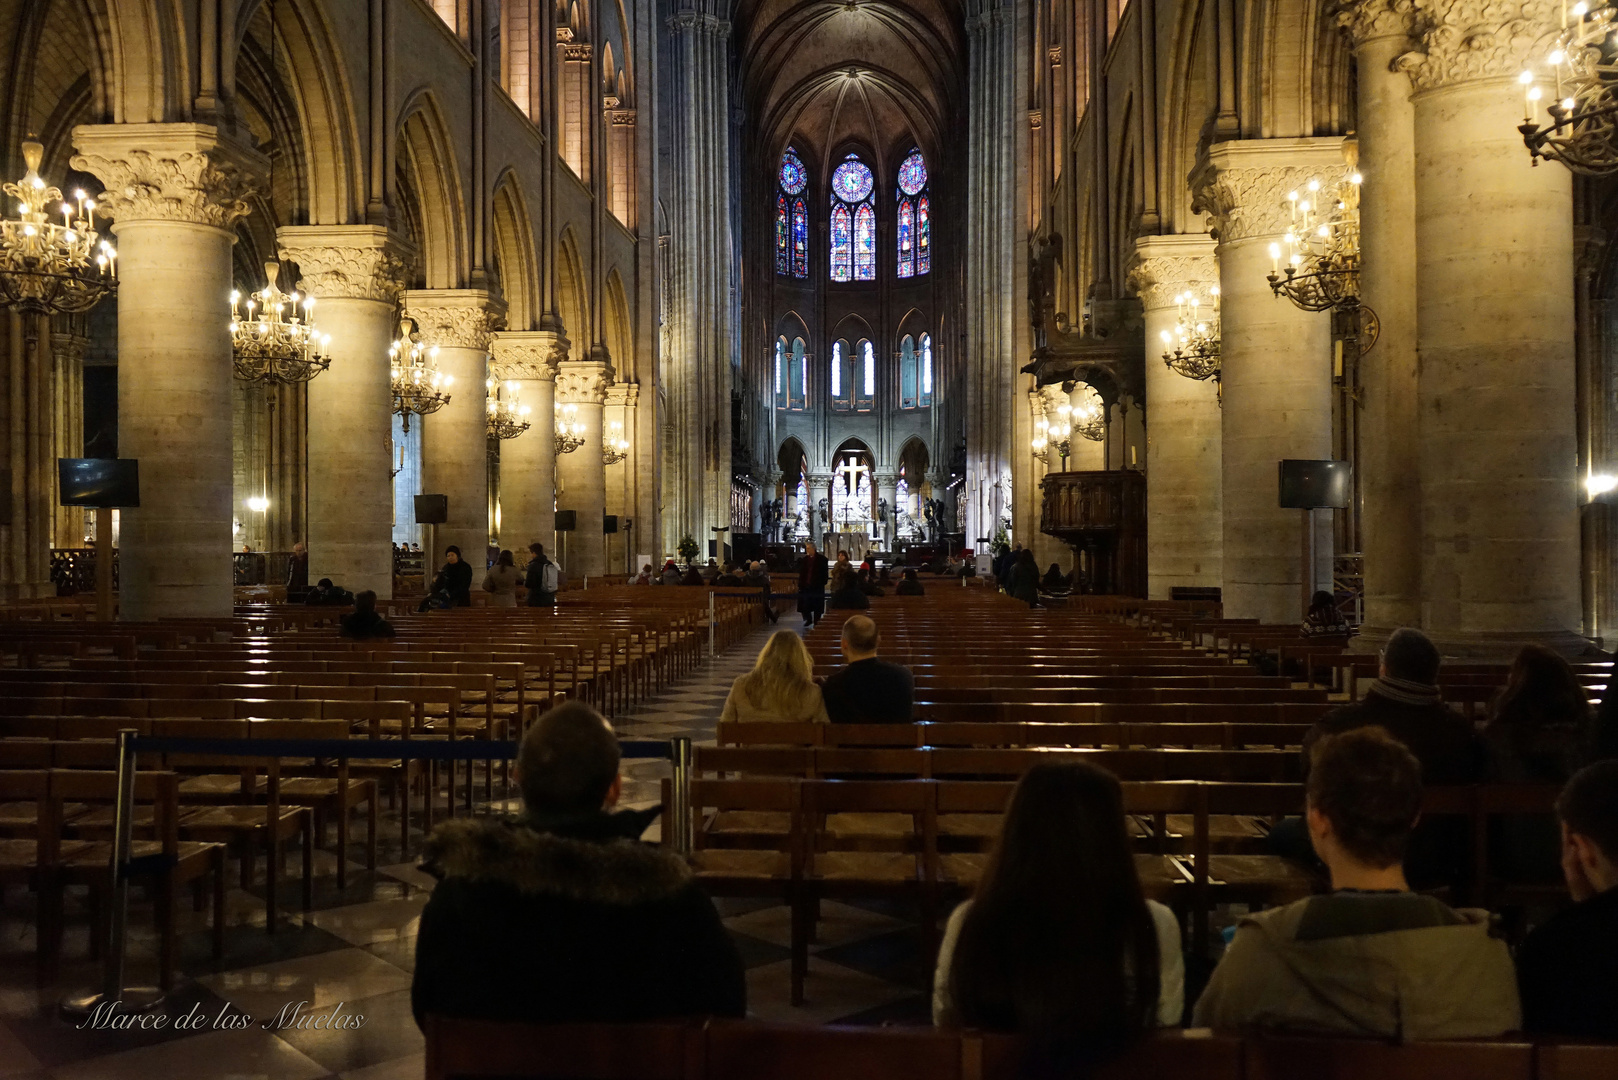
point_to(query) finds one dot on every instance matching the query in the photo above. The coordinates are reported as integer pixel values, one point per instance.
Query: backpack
(550, 578)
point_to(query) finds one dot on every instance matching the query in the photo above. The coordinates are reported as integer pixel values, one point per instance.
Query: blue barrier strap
(390, 749)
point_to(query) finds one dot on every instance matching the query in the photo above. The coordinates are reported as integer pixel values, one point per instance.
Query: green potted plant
(687, 548)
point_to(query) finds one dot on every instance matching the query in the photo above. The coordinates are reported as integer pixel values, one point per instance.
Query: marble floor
(356, 949)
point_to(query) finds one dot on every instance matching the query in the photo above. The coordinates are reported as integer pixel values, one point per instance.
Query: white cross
(851, 470)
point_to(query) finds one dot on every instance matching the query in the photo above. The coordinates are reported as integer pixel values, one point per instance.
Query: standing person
(363, 623)
(452, 587)
(541, 577)
(780, 687)
(562, 915)
(297, 572)
(814, 570)
(1059, 943)
(867, 690)
(759, 578)
(502, 581)
(1023, 579)
(1372, 958)
(1567, 969)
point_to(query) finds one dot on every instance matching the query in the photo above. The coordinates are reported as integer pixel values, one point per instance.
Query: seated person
(1567, 969)
(711, 571)
(867, 690)
(1323, 619)
(693, 576)
(910, 586)
(562, 915)
(325, 594)
(363, 622)
(1371, 958)
(846, 593)
(729, 578)
(644, 577)
(1054, 580)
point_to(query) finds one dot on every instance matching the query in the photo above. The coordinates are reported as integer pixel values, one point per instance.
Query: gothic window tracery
(791, 217)
(913, 235)
(853, 221)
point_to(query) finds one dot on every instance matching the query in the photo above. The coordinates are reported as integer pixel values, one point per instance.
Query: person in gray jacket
(1371, 958)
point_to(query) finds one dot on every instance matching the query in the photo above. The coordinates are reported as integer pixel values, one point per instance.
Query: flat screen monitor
(1312, 484)
(99, 482)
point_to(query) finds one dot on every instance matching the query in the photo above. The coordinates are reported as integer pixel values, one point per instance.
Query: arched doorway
(789, 517)
(851, 509)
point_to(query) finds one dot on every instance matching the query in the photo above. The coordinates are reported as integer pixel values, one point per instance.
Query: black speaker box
(432, 509)
(567, 520)
(609, 523)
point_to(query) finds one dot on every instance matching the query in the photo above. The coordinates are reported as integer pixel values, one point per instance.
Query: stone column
(819, 486)
(455, 439)
(1184, 534)
(528, 462)
(887, 490)
(355, 273)
(68, 349)
(1494, 305)
(1390, 474)
(1277, 368)
(176, 192)
(581, 476)
(622, 478)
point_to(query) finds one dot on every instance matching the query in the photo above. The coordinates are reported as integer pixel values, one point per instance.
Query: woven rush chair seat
(877, 867)
(1269, 878)
(741, 863)
(857, 826)
(744, 823)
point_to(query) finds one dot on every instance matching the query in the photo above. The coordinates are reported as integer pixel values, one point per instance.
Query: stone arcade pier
(528, 462)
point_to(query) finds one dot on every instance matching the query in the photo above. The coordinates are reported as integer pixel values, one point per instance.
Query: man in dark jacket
(534, 578)
(813, 571)
(1567, 970)
(867, 690)
(1405, 701)
(910, 586)
(562, 915)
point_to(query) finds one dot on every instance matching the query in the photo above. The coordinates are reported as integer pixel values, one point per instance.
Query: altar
(855, 541)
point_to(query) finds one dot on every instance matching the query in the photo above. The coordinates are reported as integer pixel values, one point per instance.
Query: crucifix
(851, 471)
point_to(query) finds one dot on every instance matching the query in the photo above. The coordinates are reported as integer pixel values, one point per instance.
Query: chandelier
(615, 448)
(1193, 345)
(507, 419)
(1582, 66)
(46, 267)
(272, 344)
(1057, 436)
(419, 388)
(569, 429)
(1322, 248)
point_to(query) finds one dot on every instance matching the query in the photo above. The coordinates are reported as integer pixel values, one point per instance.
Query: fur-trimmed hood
(593, 865)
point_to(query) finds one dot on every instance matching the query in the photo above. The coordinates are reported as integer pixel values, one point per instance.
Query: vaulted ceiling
(833, 74)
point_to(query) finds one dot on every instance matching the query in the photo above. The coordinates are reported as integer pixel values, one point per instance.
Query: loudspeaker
(609, 523)
(1310, 484)
(432, 509)
(567, 520)
(747, 546)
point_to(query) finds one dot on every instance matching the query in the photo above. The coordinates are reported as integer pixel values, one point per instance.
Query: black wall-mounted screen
(112, 483)
(1311, 485)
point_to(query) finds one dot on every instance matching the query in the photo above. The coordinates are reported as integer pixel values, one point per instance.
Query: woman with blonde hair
(781, 685)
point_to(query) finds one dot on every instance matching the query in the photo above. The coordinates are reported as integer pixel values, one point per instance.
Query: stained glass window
(926, 370)
(791, 225)
(837, 370)
(780, 387)
(907, 244)
(853, 222)
(913, 174)
(798, 376)
(924, 249)
(782, 263)
(911, 238)
(800, 239)
(864, 376)
(907, 373)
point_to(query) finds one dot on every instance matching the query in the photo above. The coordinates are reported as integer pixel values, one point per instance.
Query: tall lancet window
(842, 377)
(791, 374)
(926, 371)
(792, 217)
(853, 222)
(914, 232)
(865, 392)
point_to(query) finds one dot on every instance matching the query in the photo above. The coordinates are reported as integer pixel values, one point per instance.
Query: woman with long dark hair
(1058, 942)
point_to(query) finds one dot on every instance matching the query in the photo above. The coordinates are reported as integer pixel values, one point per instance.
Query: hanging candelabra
(507, 418)
(569, 429)
(1090, 417)
(1057, 436)
(419, 388)
(1581, 116)
(49, 267)
(1317, 263)
(1192, 347)
(273, 337)
(615, 447)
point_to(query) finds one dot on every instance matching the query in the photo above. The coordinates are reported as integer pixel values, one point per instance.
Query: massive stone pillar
(68, 349)
(1184, 531)
(819, 485)
(455, 439)
(624, 482)
(1390, 473)
(176, 192)
(696, 474)
(581, 476)
(887, 491)
(1494, 296)
(1276, 369)
(528, 462)
(355, 273)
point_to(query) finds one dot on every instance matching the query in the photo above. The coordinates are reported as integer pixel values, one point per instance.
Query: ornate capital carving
(170, 172)
(1242, 185)
(583, 382)
(69, 349)
(1168, 265)
(1368, 20)
(1054, 54)
(1463, 40)
(349, 262)
(577, 52)
(621, 117)
(624, 394)
(455, 318)
(531, 355)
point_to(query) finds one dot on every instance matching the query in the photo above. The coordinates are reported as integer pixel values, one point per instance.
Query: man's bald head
(860, 638)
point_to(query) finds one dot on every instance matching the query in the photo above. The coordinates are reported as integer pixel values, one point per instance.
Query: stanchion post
(710, 625)
(103, 564)
(680, 746)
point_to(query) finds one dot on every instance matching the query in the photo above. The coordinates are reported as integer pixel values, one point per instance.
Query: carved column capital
(583, 382)
(531, 355)
(1166, 266)
(1466, 40)
(170, 172)
(455, 318)
(1242, 185)
(69, 348)
(624, 394)
(1367, 20)
(348, 262)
